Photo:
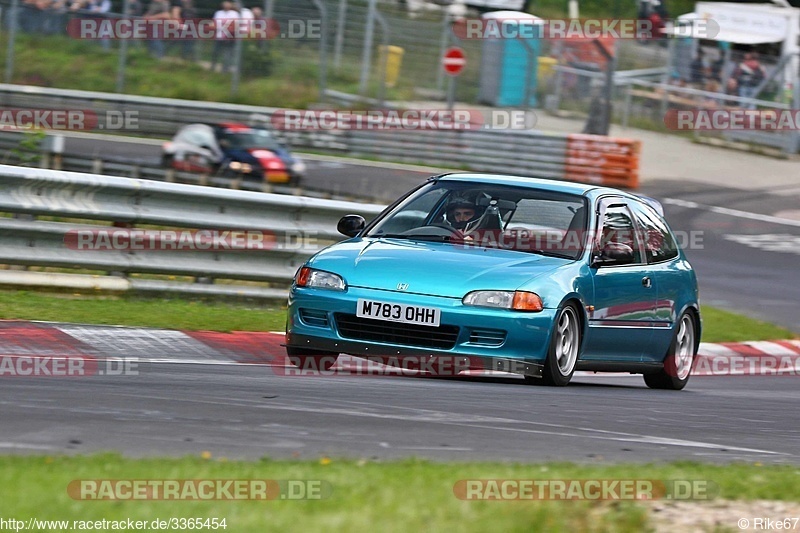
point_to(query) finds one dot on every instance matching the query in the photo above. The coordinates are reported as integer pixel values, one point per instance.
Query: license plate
(407, 314)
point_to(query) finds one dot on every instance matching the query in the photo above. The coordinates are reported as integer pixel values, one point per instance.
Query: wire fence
(393, 52)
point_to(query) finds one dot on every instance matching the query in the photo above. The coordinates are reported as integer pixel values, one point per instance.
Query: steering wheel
(435, 229)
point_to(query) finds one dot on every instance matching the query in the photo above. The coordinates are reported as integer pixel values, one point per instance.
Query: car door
(623, 309)
(670, 275)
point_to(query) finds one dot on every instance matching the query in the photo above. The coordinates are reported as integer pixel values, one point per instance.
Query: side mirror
(351, 225)
(612, 254)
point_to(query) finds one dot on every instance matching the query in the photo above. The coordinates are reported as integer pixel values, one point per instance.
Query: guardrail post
(97, 166)
(626, 113)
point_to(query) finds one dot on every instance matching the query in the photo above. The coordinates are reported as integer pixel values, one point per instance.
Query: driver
(460, 211)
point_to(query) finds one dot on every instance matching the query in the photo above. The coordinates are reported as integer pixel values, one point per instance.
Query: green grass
(718, 325)
(157, 313)
(724, 326)
(408, 495)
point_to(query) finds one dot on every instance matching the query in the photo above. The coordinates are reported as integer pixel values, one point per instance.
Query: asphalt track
(248, 411)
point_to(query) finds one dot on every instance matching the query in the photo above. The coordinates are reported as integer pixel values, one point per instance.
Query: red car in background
(252, 153)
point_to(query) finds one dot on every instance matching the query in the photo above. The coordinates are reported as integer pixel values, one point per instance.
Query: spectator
(716, 68)
(98, 9)
(30, 16)
(697, 70)
(55, 20)
(185, 10)
(749, 74)
(98, 6)
(157, 10)
(224, 45)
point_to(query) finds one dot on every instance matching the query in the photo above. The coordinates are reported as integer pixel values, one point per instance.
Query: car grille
(314, 317)
(353, 327)
(487, 337)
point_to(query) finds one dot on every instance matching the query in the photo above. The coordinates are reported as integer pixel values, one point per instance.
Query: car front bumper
(522, 348)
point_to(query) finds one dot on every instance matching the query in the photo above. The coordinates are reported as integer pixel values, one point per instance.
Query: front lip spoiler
(366, 350)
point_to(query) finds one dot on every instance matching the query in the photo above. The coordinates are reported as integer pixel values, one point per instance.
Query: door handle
(647, 282)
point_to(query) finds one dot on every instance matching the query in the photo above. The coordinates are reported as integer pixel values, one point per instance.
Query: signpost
(453, 62)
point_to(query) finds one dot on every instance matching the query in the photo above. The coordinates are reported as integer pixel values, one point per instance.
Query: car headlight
(240, 167)
(298, 167)
(516, 300)
(319, 279)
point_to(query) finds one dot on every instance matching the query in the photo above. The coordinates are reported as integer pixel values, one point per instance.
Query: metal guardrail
(525, 152)
(129, 167)
(301, 227)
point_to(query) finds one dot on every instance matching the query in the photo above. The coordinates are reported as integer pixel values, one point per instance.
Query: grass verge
(155, 313)
(407, 495)
(724, 326)
(718, 325)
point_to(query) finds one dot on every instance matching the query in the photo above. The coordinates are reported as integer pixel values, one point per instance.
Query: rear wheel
(564, 348)
(680, 357)
(311, 360)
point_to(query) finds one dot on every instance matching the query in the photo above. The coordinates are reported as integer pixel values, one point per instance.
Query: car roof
(552, 185)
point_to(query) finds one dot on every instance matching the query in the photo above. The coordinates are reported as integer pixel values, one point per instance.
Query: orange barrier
(603, 160)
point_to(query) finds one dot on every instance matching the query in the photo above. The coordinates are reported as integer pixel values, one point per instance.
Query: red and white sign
(454, 61)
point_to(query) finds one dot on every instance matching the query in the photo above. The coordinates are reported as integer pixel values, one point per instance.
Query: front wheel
(680, 357)
(564, 348)
(311, 360)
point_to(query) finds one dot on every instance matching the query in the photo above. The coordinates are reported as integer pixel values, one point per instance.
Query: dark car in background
(232, 149)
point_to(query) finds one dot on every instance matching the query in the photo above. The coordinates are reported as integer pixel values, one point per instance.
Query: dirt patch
(723, 515)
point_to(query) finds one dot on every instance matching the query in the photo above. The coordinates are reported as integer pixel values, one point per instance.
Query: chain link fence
(366, 53)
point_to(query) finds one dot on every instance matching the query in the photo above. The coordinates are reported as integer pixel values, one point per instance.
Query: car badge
(402, 286)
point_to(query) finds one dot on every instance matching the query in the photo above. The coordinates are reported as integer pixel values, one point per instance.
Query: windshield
(247, 139)
(490, 216)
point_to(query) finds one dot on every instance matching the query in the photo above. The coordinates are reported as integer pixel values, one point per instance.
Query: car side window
(659, 243)
(619, 230)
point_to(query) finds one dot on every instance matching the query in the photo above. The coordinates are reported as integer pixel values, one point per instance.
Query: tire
(565, 347)
(311, 360)
(680, 357)
(166, 160)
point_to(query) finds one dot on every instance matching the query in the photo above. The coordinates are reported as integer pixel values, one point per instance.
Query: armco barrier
(27, 193)
(526, 152)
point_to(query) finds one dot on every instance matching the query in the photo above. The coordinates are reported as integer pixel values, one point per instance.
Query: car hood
(438, 269)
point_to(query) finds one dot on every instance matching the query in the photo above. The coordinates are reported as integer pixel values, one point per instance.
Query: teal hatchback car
(535, 277)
